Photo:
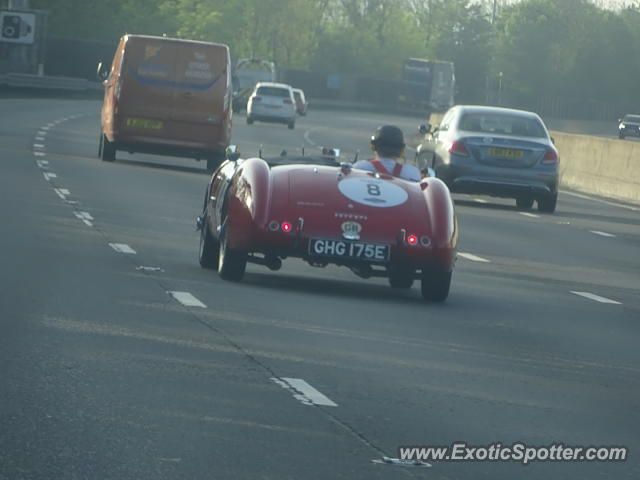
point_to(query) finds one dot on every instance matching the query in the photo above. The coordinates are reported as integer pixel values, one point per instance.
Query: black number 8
(373, 189)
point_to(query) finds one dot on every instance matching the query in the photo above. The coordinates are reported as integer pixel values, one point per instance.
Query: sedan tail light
(550, 157)
(458, 148)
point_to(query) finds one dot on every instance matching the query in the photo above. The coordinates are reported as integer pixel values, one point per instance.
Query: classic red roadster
(312, 207)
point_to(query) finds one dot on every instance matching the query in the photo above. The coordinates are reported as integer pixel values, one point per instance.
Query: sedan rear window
(631, 118)
(273, 92)
(497, 123)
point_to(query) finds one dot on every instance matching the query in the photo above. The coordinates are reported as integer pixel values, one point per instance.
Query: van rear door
(202, 94)
(146, 98)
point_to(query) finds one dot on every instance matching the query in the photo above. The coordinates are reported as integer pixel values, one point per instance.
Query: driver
(388, 145)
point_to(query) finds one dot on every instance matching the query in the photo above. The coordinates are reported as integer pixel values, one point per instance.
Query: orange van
(167, 96)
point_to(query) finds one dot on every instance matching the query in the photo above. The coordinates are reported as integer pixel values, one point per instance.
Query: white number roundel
(373, 192)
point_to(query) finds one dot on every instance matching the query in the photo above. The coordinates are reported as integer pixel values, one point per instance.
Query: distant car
(497, 151)
(629, 126)
(301, 101)
(272, 102)
(312, 207)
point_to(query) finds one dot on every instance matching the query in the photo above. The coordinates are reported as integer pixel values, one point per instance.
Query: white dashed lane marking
(188, 300)
(603, 234)
(39, 154)
(122, 248)
(38, 146)
(304, 392)
(86, 218)
(597, 298)
(48, 175)
(63, 193)
(473, 258)
(530, 215)
(480, 200)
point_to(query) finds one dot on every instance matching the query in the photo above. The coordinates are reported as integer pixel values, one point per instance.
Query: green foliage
(564, 48)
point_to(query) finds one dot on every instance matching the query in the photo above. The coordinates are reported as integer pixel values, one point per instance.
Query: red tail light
(412, 240)
(550, 157)
(458, 148)
(286, 226)
(287, 101)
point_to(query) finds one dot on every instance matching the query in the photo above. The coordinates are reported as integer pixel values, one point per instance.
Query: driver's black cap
(388, 135)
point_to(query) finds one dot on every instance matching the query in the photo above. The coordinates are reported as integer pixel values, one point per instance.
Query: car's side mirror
(424, 128)
(232, 153)
(102, 72)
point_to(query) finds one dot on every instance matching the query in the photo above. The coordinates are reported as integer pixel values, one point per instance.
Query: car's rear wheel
(524, 203)
(231, 263)
(209, 248)
(401, 277)
(548, 204)
(107, 150)
(291, 125)
(435, 284)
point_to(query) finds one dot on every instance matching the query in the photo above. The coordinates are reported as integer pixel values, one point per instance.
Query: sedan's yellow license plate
(505, 152)
(144, 123)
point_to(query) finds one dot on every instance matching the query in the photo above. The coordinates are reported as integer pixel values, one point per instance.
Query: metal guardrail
(44, 82)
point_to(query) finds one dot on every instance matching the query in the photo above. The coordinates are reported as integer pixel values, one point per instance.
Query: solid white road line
(531, 215)
(473, 258)
(597, 298)
(613, 204)
(186, 299)
(304, 392)
(122, 248)
(603, 234)
(309, 141)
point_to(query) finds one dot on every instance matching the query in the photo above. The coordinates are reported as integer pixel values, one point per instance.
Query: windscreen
(484, 122)
(273, 92)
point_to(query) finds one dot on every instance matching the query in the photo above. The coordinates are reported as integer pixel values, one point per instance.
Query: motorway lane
(512, 356)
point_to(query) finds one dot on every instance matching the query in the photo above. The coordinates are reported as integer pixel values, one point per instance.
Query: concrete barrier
(602, 166)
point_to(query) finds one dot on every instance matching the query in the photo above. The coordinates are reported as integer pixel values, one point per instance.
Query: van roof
(131, 37)
(273, 84)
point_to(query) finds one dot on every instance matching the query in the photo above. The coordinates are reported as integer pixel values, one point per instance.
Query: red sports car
(312, 207)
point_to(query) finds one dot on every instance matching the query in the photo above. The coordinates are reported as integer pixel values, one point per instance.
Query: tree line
(525, 49)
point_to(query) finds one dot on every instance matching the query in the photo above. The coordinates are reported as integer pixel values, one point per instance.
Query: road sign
(17, 27)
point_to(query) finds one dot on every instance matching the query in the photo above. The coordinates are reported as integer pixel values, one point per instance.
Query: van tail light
(458, 148)
(550, 157)
(287, 101)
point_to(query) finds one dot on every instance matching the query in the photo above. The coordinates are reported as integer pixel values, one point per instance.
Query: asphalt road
(105, 374)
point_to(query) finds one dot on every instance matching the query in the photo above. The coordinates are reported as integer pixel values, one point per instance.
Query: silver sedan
(497, 151)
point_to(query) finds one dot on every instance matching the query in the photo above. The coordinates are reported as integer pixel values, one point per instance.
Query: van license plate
(375, 252)
(144, 123)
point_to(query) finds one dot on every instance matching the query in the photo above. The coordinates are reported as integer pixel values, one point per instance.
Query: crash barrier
(601, 166)
(24, 80)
